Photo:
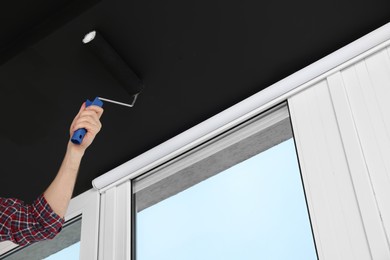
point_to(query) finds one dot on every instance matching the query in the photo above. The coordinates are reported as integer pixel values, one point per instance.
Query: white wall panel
(342, 130)
(338, 227)
(359, 172)
(363, 92)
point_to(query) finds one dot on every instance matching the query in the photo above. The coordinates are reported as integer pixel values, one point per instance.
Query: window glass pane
(253, 210)
(71, 252)
(66, 245)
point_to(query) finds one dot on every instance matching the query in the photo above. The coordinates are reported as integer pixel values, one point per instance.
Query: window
(239, 196)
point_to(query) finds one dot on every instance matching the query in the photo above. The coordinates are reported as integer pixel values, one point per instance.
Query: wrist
(75, 150)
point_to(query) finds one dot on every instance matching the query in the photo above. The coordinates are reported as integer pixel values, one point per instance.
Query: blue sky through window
(253, 210)
(69, 253)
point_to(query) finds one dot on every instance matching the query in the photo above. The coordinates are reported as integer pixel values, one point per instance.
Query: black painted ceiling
(196, 58)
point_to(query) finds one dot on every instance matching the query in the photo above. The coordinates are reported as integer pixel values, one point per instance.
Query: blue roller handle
(79, 134)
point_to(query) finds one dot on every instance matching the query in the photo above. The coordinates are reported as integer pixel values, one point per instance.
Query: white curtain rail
(247, 108)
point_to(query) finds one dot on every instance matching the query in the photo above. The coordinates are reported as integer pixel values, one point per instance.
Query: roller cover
(119, 69)
(79, 134)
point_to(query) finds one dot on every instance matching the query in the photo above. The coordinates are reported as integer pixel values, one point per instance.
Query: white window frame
(115, 185)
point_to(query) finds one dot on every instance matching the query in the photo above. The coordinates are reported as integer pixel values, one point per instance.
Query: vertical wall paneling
(115, 223)
(358, 169)
(377, 68)
(342, 131)
(339, 231)
(372, 133)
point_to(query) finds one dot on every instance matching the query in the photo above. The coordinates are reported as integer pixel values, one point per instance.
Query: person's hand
(88, 118)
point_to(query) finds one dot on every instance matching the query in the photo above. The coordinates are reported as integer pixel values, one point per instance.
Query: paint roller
(118, 68)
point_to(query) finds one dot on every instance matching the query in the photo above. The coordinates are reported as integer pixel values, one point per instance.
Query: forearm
(60, 191)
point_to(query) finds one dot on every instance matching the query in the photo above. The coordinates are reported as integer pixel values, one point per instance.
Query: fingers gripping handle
(79, 134)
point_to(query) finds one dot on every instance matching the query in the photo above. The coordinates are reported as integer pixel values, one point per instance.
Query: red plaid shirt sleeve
(24, 224)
